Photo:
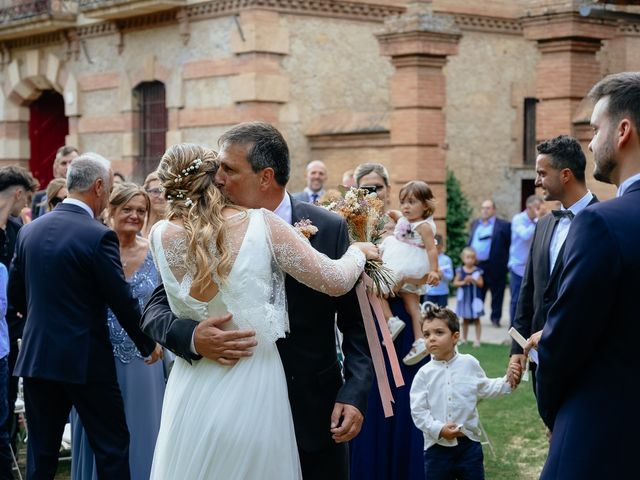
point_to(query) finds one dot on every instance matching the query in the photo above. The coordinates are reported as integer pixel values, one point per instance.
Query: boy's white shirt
(448, 392)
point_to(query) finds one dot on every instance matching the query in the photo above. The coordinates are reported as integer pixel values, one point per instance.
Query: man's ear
(624, 132)
(98, 186)
(456, 337)
(267, 177)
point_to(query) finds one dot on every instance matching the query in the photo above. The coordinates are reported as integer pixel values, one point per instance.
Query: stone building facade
(418, 86)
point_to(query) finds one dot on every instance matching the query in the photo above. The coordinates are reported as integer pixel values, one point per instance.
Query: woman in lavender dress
(142, 385)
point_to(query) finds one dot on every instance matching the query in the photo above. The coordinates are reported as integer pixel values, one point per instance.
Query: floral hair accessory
(306, 228)
(195, 165)
(188, 202)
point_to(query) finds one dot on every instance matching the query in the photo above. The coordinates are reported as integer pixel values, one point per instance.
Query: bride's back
(253, 290)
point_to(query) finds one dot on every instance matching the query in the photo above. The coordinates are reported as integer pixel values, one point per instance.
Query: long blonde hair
(186, 173)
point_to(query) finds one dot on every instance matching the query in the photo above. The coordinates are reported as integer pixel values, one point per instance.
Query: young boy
(444, 395)
(439, 294)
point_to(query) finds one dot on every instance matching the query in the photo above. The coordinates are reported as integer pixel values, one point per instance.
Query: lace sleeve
(296, 257)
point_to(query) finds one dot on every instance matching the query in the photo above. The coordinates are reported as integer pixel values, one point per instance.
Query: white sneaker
(395, 326)
(417, 353)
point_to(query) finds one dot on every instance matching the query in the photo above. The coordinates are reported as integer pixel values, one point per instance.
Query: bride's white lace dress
(235, 422)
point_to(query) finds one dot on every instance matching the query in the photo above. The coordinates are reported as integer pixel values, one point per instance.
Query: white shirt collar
(284, 210)
(79, 203)
(627, 183)
(582, 203)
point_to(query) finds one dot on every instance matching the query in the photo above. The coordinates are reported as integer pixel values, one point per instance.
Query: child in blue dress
(469, 281)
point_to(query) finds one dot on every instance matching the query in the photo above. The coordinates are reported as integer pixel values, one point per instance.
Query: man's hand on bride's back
(223, 346)
(369, 249)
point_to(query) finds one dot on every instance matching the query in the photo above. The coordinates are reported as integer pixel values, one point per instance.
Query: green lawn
(512, 423)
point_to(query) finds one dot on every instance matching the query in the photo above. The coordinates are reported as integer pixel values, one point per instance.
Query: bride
(232, 422)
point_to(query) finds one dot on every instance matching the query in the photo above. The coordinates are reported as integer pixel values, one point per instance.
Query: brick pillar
(568, 68)
(259, 42)
(419, 43)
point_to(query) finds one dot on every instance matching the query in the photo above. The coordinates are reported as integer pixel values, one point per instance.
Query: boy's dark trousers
(462, 462)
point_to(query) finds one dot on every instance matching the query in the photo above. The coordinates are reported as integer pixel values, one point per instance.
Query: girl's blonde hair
(469, 250)
(186, 173)
(422, 192)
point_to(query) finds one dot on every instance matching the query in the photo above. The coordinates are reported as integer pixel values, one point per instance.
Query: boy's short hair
(431, 311)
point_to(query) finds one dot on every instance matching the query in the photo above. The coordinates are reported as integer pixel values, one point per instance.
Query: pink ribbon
(368, 300)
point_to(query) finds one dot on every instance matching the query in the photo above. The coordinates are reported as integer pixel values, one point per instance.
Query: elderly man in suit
(327, 411)
(585, 356)
(560, 169)
(315, 176)
(66, 357)
(491, 238)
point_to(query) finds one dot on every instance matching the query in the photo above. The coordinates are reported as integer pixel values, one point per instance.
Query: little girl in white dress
(412, 254)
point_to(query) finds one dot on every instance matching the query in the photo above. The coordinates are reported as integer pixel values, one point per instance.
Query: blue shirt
(4, 330)
(522, 228)
(446, 265)
(481, 241)
(627, 183)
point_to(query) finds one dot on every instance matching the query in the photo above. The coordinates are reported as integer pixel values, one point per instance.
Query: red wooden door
(48, 127)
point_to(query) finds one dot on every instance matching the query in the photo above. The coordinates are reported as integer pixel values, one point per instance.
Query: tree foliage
(458, 214)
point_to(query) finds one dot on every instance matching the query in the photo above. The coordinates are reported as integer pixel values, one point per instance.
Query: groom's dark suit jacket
(539, 286)
(308, 353)
(587, 390)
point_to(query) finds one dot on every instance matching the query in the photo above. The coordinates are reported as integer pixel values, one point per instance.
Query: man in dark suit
(585, 357)
(316, 175)
(66, 357)
(16, 187)
(327, 411)
(490, 237)
(560, 169)
(64, 157)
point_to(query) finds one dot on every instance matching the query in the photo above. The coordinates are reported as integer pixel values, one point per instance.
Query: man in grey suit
(560, 169)
(315, 176)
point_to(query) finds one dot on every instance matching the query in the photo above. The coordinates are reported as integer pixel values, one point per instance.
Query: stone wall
(486, 85)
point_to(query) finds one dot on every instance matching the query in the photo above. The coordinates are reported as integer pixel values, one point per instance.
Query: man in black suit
(66, 357)
(490, 237)
(560, 169)
(64, 157)
(585, 384)
(16, 187)
(327, 411)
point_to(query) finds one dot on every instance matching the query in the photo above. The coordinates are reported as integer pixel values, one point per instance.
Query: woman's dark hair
(431, 311)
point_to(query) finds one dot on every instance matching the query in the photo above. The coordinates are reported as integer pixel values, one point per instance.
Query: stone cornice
(511, 26)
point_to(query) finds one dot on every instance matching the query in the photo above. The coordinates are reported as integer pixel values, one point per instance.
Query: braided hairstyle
(186, 173)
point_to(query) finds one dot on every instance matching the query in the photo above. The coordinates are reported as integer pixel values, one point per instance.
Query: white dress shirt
(627, 183)
(448, 392)
(284, 210)
(562, 229)
(79, 203)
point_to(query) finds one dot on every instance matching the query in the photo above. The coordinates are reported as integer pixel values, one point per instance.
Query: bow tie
(560, 214)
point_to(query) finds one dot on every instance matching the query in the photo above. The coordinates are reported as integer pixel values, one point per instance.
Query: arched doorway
(48, 127)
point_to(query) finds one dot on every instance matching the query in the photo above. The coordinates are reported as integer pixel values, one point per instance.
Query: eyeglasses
(56, 200)
(372, 188)
(154, 191)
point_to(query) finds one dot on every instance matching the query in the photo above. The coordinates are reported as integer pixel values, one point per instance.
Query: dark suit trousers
(331, 463)
(495, 283)
(101, 409)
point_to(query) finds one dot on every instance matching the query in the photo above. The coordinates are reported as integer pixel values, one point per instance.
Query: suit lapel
(558, 265)
(546, 243)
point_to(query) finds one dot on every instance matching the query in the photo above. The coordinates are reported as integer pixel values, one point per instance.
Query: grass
(512, 423)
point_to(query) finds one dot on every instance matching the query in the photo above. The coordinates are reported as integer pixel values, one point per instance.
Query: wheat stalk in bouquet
(363, 212)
